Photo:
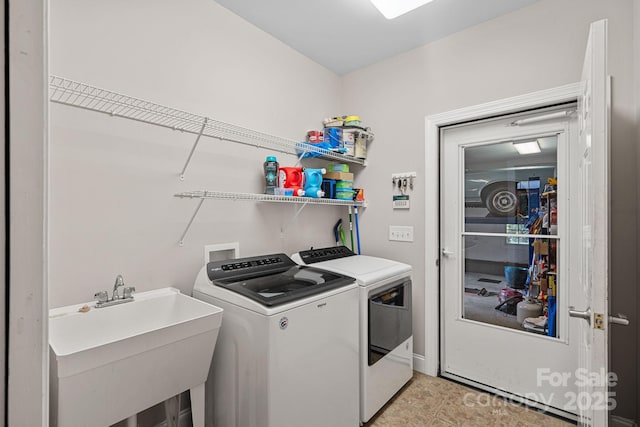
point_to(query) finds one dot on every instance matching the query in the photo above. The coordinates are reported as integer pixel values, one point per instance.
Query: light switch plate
(401, 233)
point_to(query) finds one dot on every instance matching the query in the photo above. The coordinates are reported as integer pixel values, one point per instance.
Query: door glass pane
(510, 269)
(517, 292)
(504, 187)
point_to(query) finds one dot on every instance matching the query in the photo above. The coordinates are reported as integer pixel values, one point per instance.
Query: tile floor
(429, 401)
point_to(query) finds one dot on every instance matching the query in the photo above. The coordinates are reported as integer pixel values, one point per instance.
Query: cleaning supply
(329, 188)
(352, 121)
(313, 182)
(339, 176)
(315, 136)
(348, 141)
(338, 167)
(333, 137)
(344, 190)
(271, 175)
(344, 194)
(291, 177)
(338, 233)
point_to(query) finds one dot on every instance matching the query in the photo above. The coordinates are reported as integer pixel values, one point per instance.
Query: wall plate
(401, 201)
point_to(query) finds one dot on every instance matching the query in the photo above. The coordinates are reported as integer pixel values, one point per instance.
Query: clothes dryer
(386, 337)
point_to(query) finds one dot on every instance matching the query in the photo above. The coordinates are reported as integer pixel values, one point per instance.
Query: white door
(561, 367)
(508, 245)
(595, 398)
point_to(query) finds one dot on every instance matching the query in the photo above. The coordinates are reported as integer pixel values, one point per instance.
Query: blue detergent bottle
(271, 169)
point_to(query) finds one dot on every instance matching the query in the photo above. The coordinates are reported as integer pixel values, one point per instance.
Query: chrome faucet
(127, 294)
(119, 283)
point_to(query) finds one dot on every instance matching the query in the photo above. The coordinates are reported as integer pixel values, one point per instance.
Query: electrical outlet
(401, 233)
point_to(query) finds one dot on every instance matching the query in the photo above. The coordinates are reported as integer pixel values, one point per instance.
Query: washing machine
(287, 350)
(386, 337)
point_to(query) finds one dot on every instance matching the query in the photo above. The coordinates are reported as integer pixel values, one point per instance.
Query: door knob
(446, 252)
(586, 315)
(620, 319)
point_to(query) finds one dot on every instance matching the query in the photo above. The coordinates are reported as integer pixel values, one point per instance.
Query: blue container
(516, 277)
(329, 188)
(333, 137)
(551, 322)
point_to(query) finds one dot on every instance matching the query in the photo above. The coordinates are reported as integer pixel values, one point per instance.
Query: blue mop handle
(355, 211)
(351, 229)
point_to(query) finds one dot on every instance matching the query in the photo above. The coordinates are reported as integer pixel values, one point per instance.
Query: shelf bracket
(195, 144)
(295, 216)
(191, 221)
(300, 158)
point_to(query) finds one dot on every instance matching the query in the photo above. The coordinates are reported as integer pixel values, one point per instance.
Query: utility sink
(110, 363)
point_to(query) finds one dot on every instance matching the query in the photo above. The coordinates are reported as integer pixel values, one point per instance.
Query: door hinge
(598, 321)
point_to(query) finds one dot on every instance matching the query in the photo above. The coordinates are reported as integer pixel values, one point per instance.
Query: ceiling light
(528, 147)
(394, 8)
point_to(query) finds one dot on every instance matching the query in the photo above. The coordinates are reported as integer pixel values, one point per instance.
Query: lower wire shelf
(256, 197)
(226, 195)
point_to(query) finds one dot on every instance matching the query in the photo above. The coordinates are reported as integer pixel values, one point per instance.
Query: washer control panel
(239, 267)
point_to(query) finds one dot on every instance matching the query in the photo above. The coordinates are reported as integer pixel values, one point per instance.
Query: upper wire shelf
(80, 95)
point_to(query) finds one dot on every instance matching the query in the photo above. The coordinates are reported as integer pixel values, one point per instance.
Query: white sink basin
(113, 362)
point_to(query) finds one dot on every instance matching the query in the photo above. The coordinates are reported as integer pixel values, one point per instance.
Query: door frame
(433, 123)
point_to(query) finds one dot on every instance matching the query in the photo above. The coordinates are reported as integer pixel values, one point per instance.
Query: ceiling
(344, 35)
(504, 155)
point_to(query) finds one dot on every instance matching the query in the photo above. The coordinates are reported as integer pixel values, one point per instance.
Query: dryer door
(389, 318)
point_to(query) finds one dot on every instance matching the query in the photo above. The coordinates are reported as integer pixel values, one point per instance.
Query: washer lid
(366, 269)
(273, 279)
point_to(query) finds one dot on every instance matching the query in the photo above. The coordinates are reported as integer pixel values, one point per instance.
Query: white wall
(28, 356)
(113, 180)
(534, 48)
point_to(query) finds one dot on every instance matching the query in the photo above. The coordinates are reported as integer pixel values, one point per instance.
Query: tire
(501, 200)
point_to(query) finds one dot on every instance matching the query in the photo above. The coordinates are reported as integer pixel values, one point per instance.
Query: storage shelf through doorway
(84, 96)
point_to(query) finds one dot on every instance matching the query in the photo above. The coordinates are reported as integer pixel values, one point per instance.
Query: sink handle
(102, 296)
(128, 291)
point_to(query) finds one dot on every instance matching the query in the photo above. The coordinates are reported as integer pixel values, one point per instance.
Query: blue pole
(355, 211)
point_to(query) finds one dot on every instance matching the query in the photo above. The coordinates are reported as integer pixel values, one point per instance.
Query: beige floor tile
(430, 401)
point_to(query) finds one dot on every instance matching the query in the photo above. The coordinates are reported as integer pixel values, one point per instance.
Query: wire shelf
(80, 95)
(224, 195)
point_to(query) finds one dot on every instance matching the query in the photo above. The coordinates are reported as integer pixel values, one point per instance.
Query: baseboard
(616, 421)
(419, 364)
(184, 419)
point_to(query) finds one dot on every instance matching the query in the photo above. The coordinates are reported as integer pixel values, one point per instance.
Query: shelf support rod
(195, 144)
(300, 158)
(191, 221)
(295, 216)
